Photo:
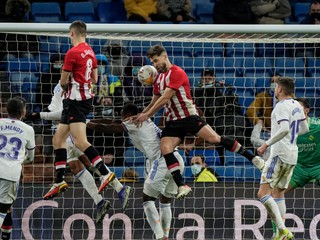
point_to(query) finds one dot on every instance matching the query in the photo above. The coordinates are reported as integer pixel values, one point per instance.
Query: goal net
(243, 59)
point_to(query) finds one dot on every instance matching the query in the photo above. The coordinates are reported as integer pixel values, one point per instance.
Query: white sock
(282, 206)
(165, 217)
(153, 218)
(273, 210)
(2, 217)
(116, 185)
(89, 185)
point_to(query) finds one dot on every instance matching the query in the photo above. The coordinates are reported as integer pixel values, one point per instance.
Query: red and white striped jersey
(80, 60)
(181, 104)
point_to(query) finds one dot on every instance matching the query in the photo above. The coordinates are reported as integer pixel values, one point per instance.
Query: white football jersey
(56, 100)
(145, 138)
(15, 138)
(286, 110)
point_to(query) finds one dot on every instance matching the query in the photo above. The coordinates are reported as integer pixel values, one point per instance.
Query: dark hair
(15, 107)
(155, 50)
(130, 108)
(208, 71)
(304, 101)
(287, 84)
(80, 27)
(313, 2)
(202, 158)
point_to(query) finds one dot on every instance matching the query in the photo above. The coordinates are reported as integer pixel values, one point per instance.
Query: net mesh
(244, 63)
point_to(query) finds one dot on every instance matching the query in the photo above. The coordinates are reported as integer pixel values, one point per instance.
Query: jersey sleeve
(31, 139)
(281, 113)
(30, 145)
(177, 79)
(129, 126)
(69, 61)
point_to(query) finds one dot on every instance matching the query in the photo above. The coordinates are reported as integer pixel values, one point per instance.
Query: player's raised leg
(168, 145)
(232, 145)
(123, 191)
(78, 132)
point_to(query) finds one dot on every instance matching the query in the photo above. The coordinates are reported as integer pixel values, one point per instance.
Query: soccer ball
(147, 75)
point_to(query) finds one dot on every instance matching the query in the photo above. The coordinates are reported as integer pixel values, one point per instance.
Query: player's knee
(4, 207)
(55, 142)
(146, 198)
(214, 139)
(165, 149)
(81, 144)
(260, 194)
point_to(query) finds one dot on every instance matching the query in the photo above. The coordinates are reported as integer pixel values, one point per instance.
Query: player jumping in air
(172, 91)
(75, 158)
(159, 183)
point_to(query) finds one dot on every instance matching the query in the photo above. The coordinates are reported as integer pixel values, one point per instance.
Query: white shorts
(160, 181)
(277, 173)
(73, 153)
(8, 191)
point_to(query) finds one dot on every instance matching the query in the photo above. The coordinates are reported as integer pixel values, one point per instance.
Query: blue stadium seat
(257, 67)
(313, 67)
(65, 44)
(17, 70)
(243, 86)
(110, 12)
(46, 12)
(43, 61)
(251, 174)
(137, 47)
(208, 50)
(182, 49)
(240, 50)
(29, 88)
(21, 65)
(203, 12)
(301, 10)
(290, 67)
(262, 84)
(274, 50)
(96, 44)
(133, 157)
(79, 11)
(211, 156)
(245, 100)
(227, 67)
(230, 173)
(232, 159)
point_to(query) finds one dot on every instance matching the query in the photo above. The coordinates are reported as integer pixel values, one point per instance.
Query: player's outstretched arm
(106, 128)
(153, 101)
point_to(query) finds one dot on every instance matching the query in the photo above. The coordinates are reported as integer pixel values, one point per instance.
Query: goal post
(244, 57)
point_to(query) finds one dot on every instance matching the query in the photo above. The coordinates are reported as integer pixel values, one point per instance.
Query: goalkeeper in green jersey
(308, 165)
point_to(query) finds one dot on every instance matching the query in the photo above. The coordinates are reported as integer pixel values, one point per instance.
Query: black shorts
(180, 128)
(75, 111)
